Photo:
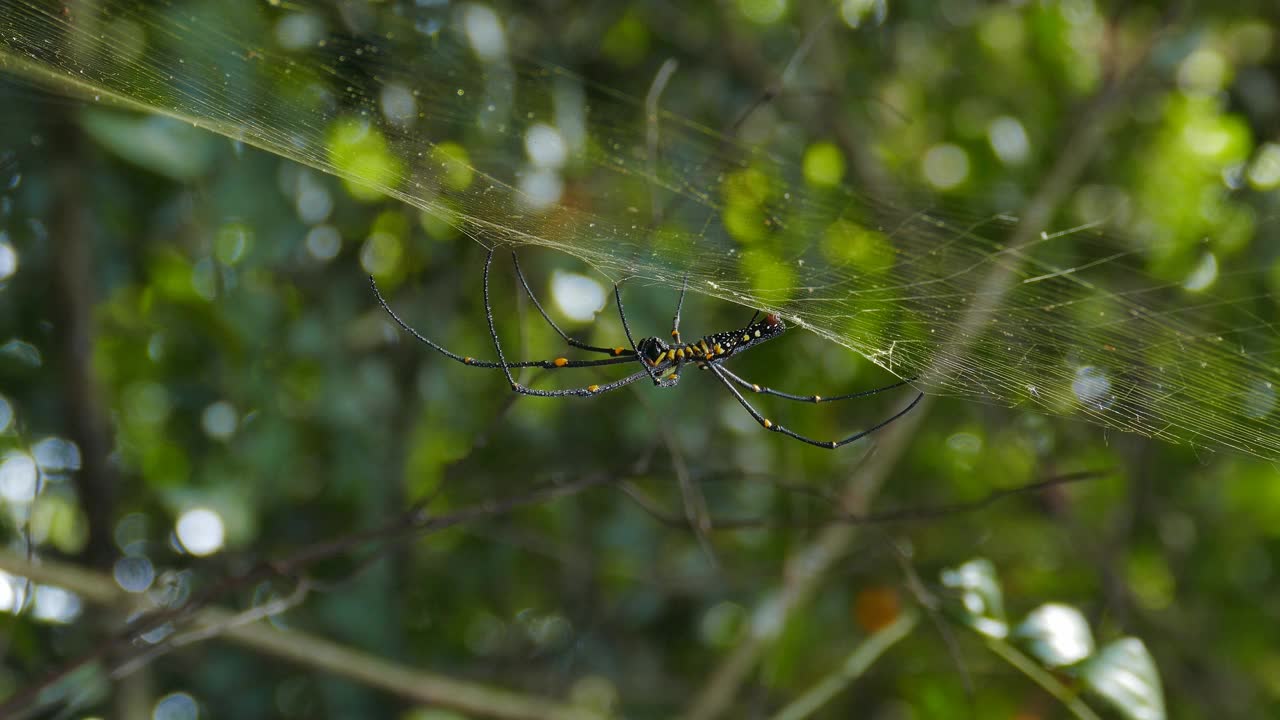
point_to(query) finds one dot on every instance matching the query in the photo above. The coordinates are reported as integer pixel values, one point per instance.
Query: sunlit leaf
(980, 596)
(1056, 634)
(1125, 674)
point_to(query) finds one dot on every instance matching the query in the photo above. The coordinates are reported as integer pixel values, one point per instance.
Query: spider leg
(675, 322)
(517, 387)
(674, 378)
(770, 425)
(555, 364)
(573, 342)
(808, 398)
(617, 295)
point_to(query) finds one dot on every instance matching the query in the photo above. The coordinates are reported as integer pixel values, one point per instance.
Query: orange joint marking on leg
(468, 360)
(768, 424)
(618, 350)
(560, 362)
(675, 333)
(515, 386)
(709, 356)
(834, 444)
(593, 388)
(817, 398)
(673, 377)
(755, 387)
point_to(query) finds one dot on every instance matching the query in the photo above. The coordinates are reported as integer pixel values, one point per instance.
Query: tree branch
(310, 651)
(411, 524)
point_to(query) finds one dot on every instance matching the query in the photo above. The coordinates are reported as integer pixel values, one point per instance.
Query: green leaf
(1125, 674)
(980, 596)
(1057, 635)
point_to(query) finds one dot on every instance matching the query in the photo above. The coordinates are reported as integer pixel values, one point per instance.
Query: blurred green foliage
(241, 366)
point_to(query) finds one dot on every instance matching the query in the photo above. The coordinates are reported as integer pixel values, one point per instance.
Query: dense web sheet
(427, 106)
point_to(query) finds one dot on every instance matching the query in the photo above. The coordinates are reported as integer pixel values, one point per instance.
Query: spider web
(424, 105)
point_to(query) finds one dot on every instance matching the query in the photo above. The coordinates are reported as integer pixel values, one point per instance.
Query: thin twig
(305, 650)
(1041, 677)
(932, 606)
(660, 81)
(412, 524)
(854, 666)
(903, 515)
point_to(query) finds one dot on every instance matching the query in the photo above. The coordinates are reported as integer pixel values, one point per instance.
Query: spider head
(769, 327)
(651, 348)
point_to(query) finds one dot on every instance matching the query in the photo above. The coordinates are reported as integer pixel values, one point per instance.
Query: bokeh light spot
(297, 31)
(1204, 71)
(56, 455)
(398, 103)
(8, 258)
(313, 201)
(176, 706)
(763, 12)
(945, 166)
(134, 573)
(578, 296)
(55, 605)
(857, 12)
(6, 414)
(1091, 387)
(1264, 171)
(824, 164)
(540, 189)
(546, 146)
(200, 531)
(324, 242)
(380, 254)
(18, 477)
(219, 420)
(1009, 140)
(484, 32)
(232, 243)
(1204, 274)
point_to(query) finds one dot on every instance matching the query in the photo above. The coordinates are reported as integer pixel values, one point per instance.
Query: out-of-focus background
(196, 379)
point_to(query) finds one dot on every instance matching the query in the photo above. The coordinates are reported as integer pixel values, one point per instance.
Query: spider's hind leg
(573, 342)
(768, 424)
(675, 321)
(753, 387)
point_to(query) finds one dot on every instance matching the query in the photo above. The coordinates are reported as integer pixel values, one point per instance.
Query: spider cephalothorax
(660, 360)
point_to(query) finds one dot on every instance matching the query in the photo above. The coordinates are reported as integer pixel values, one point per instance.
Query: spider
(657, 358)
